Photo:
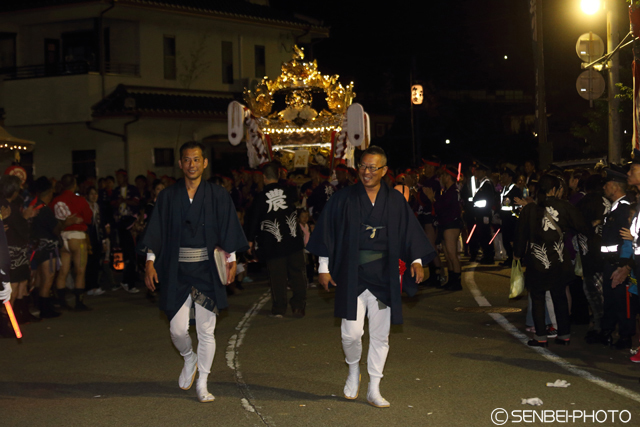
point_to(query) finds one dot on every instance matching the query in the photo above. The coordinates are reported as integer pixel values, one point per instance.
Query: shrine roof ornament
(299, 124)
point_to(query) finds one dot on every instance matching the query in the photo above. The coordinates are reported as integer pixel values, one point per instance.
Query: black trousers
(288, 271)
(508, 230)
(560, 306)
(485, 234)
(615, 306)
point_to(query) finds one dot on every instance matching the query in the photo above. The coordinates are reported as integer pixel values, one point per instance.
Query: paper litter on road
(417, 379)
(410, 406)
(559, 383)
(533, 401)
(98, 395)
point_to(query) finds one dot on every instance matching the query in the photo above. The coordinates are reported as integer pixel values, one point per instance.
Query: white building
(165, 75)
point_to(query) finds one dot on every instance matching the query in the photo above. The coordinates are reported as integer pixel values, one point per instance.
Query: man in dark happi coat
(191, 219)
(274, 226)
(361, 235)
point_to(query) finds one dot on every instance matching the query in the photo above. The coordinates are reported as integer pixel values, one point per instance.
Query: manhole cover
(488, 309)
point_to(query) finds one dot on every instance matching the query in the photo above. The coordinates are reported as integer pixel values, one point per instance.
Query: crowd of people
(574, 230)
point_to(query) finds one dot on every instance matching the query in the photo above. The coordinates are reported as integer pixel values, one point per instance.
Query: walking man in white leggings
(365, 237)
(192, 219)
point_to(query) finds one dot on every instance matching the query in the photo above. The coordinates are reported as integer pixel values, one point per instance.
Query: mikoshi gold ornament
(279, 134)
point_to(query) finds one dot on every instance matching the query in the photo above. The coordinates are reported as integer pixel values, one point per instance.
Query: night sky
(461, 46)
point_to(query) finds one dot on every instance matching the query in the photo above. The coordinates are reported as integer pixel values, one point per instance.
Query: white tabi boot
(188, 374)
(373, 395)
(352, 386)
(202, 391)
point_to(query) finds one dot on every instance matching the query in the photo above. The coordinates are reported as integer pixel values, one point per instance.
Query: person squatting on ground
(274, 227)
(361, 235)
(190, 220)
(74, 238)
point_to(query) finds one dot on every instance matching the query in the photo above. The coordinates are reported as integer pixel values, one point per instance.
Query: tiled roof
(159, 102)
(240, 9)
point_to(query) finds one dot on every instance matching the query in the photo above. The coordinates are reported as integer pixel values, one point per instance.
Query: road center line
(552, 357)
(232, 356)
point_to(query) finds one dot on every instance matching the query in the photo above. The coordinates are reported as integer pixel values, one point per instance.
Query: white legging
(205, 327)
(379, 326)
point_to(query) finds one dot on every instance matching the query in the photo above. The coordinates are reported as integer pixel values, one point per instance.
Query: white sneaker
(95, 292)
(131, 290)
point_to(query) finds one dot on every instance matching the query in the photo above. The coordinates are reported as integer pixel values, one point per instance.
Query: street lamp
(591, 7)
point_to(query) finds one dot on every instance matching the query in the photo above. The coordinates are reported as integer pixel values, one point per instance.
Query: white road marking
(552, 357)
(232, 355)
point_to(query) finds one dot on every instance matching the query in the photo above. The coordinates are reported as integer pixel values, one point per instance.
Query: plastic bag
(577, 268)
(517, 279)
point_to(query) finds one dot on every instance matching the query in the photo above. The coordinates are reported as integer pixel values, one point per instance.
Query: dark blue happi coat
(211, 211)
(337, 236)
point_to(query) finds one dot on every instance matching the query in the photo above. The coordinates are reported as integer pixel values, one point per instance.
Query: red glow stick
(494, 236)
(459, 171)
(12, 317)
(471, 234)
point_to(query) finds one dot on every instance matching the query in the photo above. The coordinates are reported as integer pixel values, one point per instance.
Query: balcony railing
(66, 69)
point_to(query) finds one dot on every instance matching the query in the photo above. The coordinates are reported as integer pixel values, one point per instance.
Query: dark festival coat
(547, 258)
(336, 236)
(164, 231)
(273, 224)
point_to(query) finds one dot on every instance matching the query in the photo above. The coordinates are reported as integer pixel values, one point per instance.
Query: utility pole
(545, 148)
(615, 137)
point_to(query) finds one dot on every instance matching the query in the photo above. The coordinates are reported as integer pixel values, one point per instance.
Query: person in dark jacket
(280, 244)
(191, 219)
(17, 231)
(508, 218)
(540, 237)
(45, 233)
(449, 217)
(363, 237)
(616, 254)
(483, 202)
(593, 206)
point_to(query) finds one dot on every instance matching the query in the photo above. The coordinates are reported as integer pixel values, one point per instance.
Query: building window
(261, 63)
(163, 157)
(84, 163)
(227, 62)
(169, 57)
(7, 51)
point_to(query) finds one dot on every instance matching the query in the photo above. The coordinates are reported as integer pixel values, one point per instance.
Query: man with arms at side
(191, 219)
(363, 236)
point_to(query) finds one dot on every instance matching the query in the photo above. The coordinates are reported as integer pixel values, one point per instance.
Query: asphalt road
(116, 366)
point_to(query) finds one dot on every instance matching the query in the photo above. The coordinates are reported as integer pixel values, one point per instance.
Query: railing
(66, 69)
(124, 69)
